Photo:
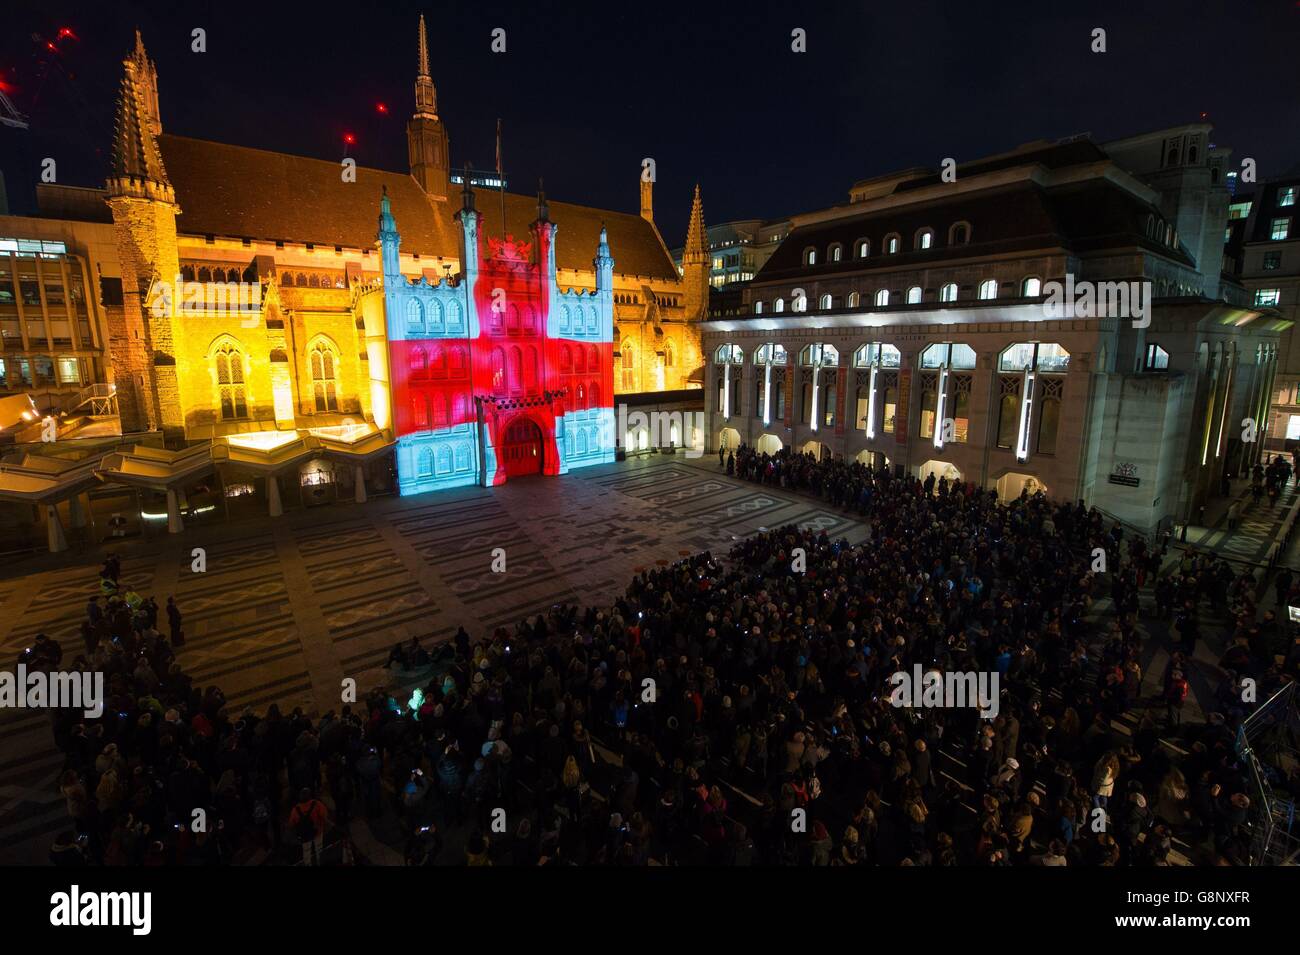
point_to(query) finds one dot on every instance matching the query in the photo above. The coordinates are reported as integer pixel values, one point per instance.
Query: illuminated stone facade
(288, 242)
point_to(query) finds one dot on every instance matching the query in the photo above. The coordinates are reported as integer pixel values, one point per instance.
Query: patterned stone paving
(289, 607)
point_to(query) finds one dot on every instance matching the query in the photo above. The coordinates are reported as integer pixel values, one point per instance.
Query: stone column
(76, 514)
(273, 495)
(359, 480)
(54, 529)
(174, 523)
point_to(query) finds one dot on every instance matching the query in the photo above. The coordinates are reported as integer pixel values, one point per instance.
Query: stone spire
(697, 263)
(697, 239)
(137, 165)
(427, 146)
(388, 239)
(543, 210)
(426, 96)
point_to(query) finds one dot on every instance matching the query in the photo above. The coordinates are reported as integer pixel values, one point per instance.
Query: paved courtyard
(289, 607)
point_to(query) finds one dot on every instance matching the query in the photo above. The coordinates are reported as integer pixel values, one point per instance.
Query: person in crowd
(771, 694)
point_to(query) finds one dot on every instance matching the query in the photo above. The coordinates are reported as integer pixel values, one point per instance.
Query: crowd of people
(734, 709)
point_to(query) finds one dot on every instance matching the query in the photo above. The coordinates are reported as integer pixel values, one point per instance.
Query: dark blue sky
(712, 91)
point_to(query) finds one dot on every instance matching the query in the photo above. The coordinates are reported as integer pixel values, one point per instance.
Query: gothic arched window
(229, 369)
(324, 384)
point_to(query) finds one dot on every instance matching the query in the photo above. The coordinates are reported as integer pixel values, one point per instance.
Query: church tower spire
(145, 336)
(426, 137)
(137, 166)
(696, 263)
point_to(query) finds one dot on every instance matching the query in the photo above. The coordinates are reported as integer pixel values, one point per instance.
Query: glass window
(963, 356)
(69, 371)
(1052, 357)
(1019, 357)
(988, 289)
(1049, 418)
(1008, 419)
(1286, 196)
(1157, 358)
(1031, 287)
(882, 297)
(925, 239)
(1280, 229)
(889, 408)
(948, 293)
(1267, 297)
(914, 295)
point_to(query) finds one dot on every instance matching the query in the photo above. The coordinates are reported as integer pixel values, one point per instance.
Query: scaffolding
(1268, 742)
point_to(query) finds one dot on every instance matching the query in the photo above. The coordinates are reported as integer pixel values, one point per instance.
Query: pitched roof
(253, 193)
(1083, 217)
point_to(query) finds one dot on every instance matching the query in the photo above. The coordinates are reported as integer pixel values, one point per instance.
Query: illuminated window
(809, 256)
(323, 362)
(853, 300)
(414, 315)
(1031, 287)
(924, 238)
(229, 370)
(835, 253)
(882, 297)
(948, 293)
(779, 305)
(914, 295)
(1286, 196)
(988, 289)
(1280, 229)
(1267, 297)
(862, 248)
(825, 302)
(1157, 358)
(627, 356)
(891, 243)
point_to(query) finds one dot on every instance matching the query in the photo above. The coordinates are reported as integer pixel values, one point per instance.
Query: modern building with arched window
(1041, 325)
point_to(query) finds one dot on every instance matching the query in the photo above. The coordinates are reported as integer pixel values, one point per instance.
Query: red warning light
(381, 108)
(349, 138)
(65, 31)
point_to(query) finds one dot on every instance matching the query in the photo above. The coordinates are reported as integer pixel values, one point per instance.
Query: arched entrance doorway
(729, 439)
(939, 469)
(521, 448)
(768, 444)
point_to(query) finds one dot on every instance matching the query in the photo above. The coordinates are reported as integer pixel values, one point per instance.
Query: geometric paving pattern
(290, 606)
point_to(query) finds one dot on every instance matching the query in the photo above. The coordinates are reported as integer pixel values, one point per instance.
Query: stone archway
(522, 450)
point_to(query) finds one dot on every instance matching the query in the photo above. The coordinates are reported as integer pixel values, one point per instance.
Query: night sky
(712, 91)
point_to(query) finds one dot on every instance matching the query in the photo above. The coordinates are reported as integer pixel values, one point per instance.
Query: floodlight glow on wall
(871, 404)
(940, 406)
(1022, 439)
